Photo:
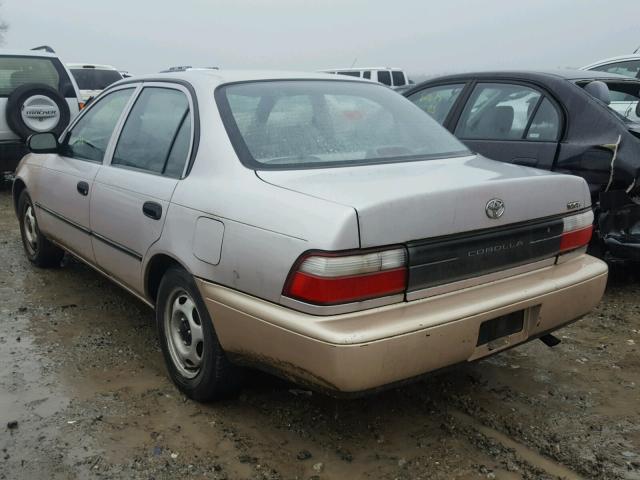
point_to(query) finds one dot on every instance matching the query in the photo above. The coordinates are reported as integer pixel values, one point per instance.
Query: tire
(38, 97)
(194, 357)
(39, 250)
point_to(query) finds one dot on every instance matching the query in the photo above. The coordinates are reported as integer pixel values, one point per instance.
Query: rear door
(132, 191)
(511, 122)
(65, 183)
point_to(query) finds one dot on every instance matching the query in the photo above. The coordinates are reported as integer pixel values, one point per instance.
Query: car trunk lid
(413, 201)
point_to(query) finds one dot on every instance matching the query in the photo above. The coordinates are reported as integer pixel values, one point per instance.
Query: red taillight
(577, 231)
(329, 279)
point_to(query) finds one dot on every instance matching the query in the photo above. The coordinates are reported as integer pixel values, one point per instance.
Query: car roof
(91, 66)
(358, 69)
(27, 53)
(220, 77)
(567, 74)
(619, 58)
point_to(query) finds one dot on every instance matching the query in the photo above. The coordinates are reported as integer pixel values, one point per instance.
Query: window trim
(64, 136)
(544, 93)
(193, 143)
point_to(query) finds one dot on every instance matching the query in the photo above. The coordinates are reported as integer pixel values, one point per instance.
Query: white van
(393, 77)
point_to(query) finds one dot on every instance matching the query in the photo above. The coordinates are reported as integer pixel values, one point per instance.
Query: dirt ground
(82, 375)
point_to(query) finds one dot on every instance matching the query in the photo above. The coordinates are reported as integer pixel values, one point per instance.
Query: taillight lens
(329, 278)
(577, 231)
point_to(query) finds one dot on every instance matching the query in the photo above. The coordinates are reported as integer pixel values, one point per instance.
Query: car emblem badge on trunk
(494, 208)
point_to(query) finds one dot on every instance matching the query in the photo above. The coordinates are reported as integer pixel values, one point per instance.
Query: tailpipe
(549, 340)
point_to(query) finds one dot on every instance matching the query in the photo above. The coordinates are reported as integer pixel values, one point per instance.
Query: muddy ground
(82, 375)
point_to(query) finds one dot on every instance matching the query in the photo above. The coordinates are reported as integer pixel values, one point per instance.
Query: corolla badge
(494, 208)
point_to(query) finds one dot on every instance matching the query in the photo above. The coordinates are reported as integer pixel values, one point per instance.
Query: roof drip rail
(46, 48)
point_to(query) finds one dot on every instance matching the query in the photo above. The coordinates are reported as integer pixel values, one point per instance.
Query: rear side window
(16, 71)
(437, 101)
(350, 74)
(157, 133)
(629, 69)
(398, 79)
(366, 74)
(497, 111)
(546, 123)
(95, 79)
(384, 77)
(88, 139)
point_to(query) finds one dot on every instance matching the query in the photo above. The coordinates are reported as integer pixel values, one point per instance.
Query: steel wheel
(195, 359)
(31, 230)
(184, 335)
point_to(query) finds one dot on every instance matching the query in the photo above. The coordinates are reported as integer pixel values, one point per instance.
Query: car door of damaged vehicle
(511, 122)
(132, 191)
(66, 182)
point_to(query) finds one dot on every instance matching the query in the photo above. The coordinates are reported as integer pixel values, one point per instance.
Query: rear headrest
(599, 90)
(503, 118)
(17, 78)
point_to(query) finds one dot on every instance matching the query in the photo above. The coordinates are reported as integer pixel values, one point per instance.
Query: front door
(66, 180)
(131, 193)
(511, 123)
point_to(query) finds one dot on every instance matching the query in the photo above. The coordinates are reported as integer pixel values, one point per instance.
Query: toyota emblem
(494, 208)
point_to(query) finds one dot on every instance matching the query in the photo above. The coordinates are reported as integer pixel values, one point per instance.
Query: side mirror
(43, 143)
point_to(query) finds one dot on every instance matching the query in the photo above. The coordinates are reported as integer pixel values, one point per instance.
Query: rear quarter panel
(266, 228)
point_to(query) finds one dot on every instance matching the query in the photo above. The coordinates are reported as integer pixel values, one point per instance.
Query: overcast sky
(421, 36)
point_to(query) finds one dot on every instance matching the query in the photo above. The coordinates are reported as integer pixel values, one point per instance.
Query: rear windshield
(94, 79)
(304, 124)
(16, 71)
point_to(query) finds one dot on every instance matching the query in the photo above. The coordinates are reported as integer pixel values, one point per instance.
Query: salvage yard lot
(82, 374)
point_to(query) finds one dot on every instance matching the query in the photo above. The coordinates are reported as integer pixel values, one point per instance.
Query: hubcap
(31, 229)
(183, 329)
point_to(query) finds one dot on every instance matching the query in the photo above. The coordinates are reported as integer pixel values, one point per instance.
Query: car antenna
(636, 50)
(46, 48)
(356, 59)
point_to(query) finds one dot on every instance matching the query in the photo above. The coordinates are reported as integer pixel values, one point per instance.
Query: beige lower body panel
(369, 349)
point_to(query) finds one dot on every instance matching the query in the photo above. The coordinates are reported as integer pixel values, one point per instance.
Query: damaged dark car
(578, 122)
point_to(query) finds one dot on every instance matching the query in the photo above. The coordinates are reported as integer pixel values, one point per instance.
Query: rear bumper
(372, 348)
(10, 155)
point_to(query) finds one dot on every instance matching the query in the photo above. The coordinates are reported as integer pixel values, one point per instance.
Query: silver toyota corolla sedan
(320, 227)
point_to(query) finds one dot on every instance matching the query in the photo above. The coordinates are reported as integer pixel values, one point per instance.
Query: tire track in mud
(526, 456)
